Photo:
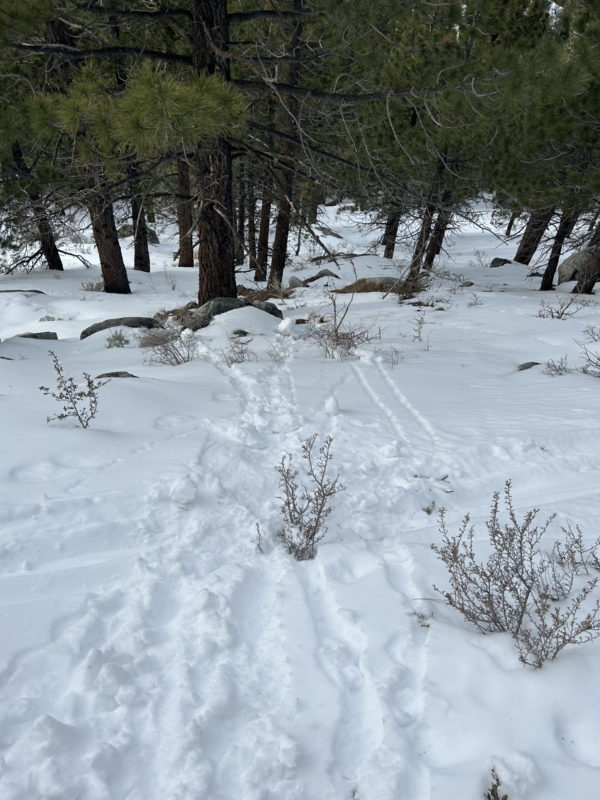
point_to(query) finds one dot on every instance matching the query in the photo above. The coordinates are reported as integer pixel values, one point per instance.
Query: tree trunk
(388, 240)
(567, 222)
(40, 214)
(284, 203)
(513, 218)
(215, 229)
(104, 229)
(216, 234)
(436, 239)
(252, 225)
(141, 253)
(185, 216)
(586, 283)
(262, 248)
(241, 216)
(534, 231)
(282, 231)
(419, 251)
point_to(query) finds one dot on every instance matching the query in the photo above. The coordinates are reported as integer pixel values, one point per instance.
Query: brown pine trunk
(40, 214)
(284, 202)
(141, 253)
(534, 231)
(436, 239)
(423, 238)
(262, 248)
(252, 226)
(388, 240)
(216, 234)
(114, 274)
(185, 215)
(567, 222)
(215, 230)
(241, 217)
(282, 231)
(511, 223)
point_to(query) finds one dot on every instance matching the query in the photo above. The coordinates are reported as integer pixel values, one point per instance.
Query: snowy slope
(150, 651)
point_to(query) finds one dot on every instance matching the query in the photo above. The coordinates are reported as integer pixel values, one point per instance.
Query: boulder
(38, 335)
(499, 262)
(196, 318)
(126, 322)
(574, 266)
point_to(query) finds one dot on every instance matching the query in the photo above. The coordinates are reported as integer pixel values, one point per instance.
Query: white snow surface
(149, 649)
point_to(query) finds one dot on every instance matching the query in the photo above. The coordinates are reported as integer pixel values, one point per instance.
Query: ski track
(203, 674)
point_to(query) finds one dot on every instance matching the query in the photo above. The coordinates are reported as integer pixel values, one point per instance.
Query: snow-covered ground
(150, 651)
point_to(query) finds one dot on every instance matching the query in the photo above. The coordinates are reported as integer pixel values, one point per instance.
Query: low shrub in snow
(168, 345)
(564, 309)
(560, 367)
(304, 509)
(238, 351)
(81, 404)
(117, 339)
(523, 588)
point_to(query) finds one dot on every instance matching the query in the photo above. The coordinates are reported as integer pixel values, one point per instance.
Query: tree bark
(216, 233)
(567, 222)
(241, 216)
(141, 253)
(262, 248)
(114, 274)
(436, 239)
(388, 240)
(534, 231)
(251, 225)
(284, 202)
(215, 228)
(185, 215)
(40, 214)
(423, 238)
(511, 222)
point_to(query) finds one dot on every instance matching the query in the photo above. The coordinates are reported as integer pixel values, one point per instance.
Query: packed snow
(151, 650)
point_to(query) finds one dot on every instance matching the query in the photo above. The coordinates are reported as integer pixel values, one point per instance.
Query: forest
(238, 120)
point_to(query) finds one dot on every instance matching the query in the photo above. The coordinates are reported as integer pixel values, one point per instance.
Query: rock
(38, 335)
(574, 266)
(126, 230)
(527, 365)
(127, 322)
(295, 282)
(239, 332)
(499, 262)
(197, 318)
(383, 283)
(117, 374)
(466, 284)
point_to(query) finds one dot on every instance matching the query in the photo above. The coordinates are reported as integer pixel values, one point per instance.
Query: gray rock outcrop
(499, 262)
(574, 266)
(39, 335)
(196, 318)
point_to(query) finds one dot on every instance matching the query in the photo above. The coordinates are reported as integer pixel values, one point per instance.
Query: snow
(151, 651)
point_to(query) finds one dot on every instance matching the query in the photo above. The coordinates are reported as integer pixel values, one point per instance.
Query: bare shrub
(592, 334)
(334, 335)
(169, 344)
(412, 285)
(304, 509)
(560, 367)
(564, 309)
(92, 286)
(82, 404)
(117, 339)
(279, 352)
(238, 351)
(522, 588)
